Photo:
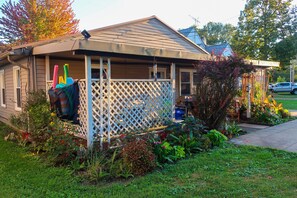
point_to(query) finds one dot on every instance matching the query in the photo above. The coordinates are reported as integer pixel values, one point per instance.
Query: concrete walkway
(283, 136)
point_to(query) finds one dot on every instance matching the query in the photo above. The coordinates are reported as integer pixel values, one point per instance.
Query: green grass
(284, 95)
(288, 104)
(225, 172)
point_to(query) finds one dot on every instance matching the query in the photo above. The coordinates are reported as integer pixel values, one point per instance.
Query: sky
(176, 13)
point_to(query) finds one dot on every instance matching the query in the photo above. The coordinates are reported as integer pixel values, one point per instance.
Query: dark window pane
(185, 89)
(18, 97)
(185, 76)
(95, 73)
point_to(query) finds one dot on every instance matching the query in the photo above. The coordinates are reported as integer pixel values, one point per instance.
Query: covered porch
(112, 104)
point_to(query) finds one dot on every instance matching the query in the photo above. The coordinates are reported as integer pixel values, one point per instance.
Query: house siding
(118, 71)
(40, 73)
(6, 112)
(150, 33)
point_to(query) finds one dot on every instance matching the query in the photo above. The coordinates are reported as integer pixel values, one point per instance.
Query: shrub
(216, 86)
(216, 137)
(139, 156)
(232, 129)
(35, 118)
(106, 165)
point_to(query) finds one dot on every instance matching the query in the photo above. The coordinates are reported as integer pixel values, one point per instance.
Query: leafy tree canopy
(286, 50)
(217, 33)
(25, 21)
(261, 25)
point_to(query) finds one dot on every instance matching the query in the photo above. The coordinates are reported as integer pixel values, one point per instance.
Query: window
(17, 87)
(161, 73)
(2, 89)
(187, 79)
(95, 71)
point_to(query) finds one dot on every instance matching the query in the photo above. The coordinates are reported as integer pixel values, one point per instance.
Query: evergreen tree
(261, 24)
(27, 21)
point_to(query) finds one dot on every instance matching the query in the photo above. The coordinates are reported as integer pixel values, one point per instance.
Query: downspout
(23, 67)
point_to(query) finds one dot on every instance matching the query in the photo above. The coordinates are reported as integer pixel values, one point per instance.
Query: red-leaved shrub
(138, 155)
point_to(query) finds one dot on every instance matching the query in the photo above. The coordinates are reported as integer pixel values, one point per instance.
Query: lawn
(284, 95)
(224, 172)
(289, 104)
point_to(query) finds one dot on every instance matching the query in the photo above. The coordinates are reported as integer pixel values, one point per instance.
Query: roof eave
(100, 46)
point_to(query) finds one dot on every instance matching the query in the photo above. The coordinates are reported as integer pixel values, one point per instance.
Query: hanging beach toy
(68, 80)
(55, 76)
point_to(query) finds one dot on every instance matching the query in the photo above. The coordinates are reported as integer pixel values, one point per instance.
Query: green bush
(34, 118)
(216, 137)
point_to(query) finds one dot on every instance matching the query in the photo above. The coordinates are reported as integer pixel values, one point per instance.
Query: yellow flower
(53, 114)
(52, 124)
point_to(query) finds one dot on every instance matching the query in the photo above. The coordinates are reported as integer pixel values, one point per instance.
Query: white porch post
(90, 132)
(101, 103)
(155, 70)
(172, 77)
(47, 68)
(47, 71)
(108, 76)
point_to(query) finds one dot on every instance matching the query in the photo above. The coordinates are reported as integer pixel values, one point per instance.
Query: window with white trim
(161, 73)
(17, 87)
(2, 89)
(95, 71)
(187, 82)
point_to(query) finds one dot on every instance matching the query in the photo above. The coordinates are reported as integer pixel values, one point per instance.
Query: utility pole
(292, 69)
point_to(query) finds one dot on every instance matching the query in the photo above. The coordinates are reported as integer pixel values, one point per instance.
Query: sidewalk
(283, 136)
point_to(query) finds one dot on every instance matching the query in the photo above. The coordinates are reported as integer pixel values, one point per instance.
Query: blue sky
(176, 13)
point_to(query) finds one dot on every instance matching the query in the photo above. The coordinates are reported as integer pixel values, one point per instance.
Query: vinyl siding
(40, 73)
(6, 112)
(118, 71)
(150, 33)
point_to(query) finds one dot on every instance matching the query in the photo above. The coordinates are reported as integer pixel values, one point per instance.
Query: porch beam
(90, 132)
(173, 88)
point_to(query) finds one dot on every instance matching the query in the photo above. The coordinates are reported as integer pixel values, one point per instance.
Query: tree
(217, 33)
(261, 24)
(33, 20)
(286, 50)
(216, 86)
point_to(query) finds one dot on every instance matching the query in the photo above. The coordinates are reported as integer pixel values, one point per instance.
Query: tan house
(130, 75)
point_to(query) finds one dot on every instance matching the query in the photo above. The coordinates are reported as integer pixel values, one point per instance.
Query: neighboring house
(192, 34)
(130, 75)
(223, 49)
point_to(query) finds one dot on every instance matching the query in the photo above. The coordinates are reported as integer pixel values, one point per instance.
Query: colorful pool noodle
(66, 72)
(61, 80)
(55, 76)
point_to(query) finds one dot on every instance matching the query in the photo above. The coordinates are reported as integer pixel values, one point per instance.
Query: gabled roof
(186, 31)
(220, 49)
(192, 34)
(147, 37)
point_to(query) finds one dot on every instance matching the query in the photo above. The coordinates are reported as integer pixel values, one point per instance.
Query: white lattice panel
(82, 129)
(133, 105)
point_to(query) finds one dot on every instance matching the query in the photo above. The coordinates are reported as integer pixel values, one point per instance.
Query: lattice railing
(132, 105)
(82, 110)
